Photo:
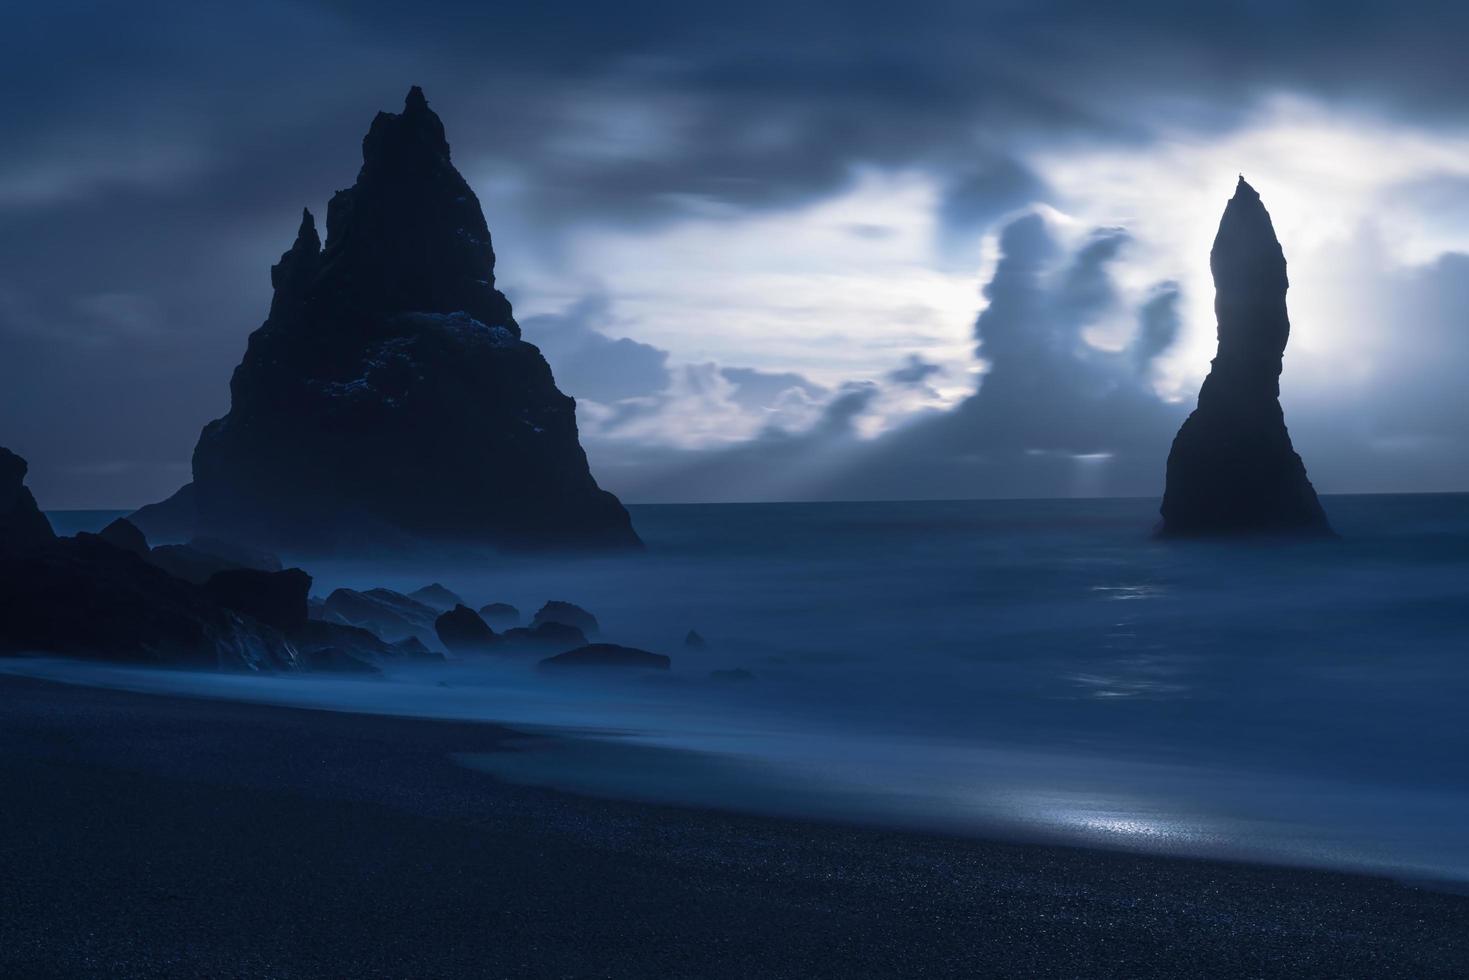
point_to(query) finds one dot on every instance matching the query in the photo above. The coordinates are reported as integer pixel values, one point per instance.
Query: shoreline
(624, 765)
(154, 835)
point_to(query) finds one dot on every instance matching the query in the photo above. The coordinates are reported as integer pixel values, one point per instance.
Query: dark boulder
(567, 614)
(461, 630)
(187, 563)
(169, 521)
(84, 597)
(315, 634)
(412, 648)
(545, 638)
(1232, 468)
(241, 556)
(202, 558)
(694, 641)
(22, 525)
(608, 655)
(391, 615)
(275, 598)
(123, 534)
(500, 615)
(389, 395)
(437, 597)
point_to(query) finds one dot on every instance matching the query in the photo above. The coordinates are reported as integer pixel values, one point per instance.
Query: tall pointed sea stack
(388, 395)
(1232, 468)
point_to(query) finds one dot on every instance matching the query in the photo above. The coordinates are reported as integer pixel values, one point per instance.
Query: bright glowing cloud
(842, 289)
(1336, 185)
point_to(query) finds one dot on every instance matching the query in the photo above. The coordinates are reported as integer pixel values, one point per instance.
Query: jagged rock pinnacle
(293, 274)
(1232, 467)
(388, 394)
(307, 232)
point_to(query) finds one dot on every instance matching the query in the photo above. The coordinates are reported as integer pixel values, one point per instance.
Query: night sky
(776, 250)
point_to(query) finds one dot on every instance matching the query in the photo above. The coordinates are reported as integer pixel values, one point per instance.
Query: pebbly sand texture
(162, 837)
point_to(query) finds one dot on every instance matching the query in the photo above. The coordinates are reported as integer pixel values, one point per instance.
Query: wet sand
(148, 836)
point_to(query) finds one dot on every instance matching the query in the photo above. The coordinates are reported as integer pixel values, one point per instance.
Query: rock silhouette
(168, 521)
(123, 534)
(275, 598)
(389, 396)
(96, 595)
(201, 558)
(461, 630)
(391, 615)
(437, 597)
(500, 614)
(567, 614)
(22, 525)
(1232, 468)
(108, 596)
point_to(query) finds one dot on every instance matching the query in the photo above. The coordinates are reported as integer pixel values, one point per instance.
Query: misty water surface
(1029, 668)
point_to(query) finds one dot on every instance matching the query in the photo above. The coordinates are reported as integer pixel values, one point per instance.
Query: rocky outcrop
(202, 558)
(437, 597)
(607, 655)
(412, 648)
(95, 596)
(500, 614)
(1232, 468)
(22, 525)
(567, 614)
(82, 596)
(391, 615)
(461, 630)
(338, 646)
(168, 521)
(389, 395)
(123, 534)
(275, 598)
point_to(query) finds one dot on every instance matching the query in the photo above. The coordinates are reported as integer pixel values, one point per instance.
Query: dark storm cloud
(157, 155)
(1158, 325)
(1047, 388)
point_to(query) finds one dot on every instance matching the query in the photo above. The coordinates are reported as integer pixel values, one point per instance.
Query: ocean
(1028, 669)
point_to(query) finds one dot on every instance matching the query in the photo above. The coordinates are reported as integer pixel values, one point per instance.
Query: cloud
(1053, 414)
(809, 189)
(589, 364)
(1158, 326)
(766, 390)
(629, 393)
(915, 372)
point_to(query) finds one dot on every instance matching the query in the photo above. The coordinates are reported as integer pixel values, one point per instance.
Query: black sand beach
(148, 836)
